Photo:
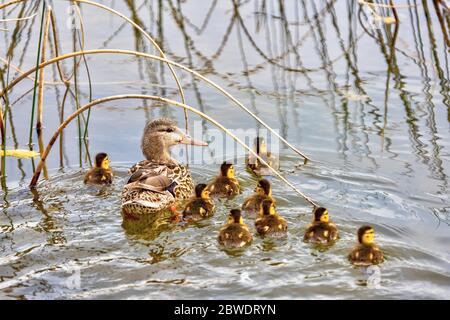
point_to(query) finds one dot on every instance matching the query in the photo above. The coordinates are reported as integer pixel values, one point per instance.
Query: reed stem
(38, 59)
(40, 106)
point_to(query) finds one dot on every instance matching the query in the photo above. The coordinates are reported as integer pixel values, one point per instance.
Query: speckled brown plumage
(140, 200)
(252, 204)
(321, 232)
(364, 255)
(271, 225)
(98, 176)
(224, 187)
(198, 209)
(235, 235)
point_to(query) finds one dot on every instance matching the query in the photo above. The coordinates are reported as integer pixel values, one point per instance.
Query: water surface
(369, 105)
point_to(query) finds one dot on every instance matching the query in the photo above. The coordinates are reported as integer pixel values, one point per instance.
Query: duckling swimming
(255, 165)
(225, 185)
(202, 206)
(366, 252)
(321, 230)
(270, 223)
(263, 191)
(101, 173)
(158, 182)
(235, 234)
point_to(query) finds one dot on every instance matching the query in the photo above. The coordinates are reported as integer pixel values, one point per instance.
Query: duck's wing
(159, 183)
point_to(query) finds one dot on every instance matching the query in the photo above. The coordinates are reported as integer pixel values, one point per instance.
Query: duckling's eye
(169, 130)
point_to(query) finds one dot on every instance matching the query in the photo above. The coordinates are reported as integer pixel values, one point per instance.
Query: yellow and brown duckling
(101, 173)
(366, 252)
(270, 223)
(263, 191)
(202, 206)
(321, 230)
(255, 165)
(226, 184)
(235, 234)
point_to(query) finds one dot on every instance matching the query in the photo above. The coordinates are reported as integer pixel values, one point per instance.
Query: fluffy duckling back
(321, 230)
(225, 185)
(202, 206)
(366, 252)
(101, 173)
(255, 165)
(270, 223)
(235, 234)
(263, 191)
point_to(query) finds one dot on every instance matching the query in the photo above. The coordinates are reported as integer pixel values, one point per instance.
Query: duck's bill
(189, 140)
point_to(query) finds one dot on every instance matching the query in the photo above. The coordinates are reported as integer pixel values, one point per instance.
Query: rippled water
(379, 142)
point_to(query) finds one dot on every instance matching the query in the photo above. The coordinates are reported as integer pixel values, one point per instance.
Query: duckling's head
(267, 208)
(201, 191)
(235, 216)
(161, 134)
(366, 235)
(227, 170)
(321, 215)
(260, 145)
(264, 188)
(102, 161)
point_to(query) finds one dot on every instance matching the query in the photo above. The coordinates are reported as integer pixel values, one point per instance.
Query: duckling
(255, 165)
(321, 230)
(263, 191)
(235, 234)
(101, 173)
(202, 206)
(225, 185)
(366, 252)
(269, 222)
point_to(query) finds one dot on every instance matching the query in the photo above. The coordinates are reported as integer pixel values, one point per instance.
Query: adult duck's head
(161, 134)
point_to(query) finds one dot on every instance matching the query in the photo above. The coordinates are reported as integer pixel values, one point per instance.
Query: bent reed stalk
(40, 103)
(170, 102)
(135, 25)
(150, 56)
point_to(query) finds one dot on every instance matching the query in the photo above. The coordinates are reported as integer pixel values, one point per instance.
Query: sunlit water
(380, 157)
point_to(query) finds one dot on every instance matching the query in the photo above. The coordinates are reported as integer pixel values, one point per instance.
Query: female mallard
(235, 233)
(366, 252)
(255, 165)
(225, 185)
(101, 173)
(263, 191)
(202, 206)
(321, 230)
(270, 223)
(159, 181)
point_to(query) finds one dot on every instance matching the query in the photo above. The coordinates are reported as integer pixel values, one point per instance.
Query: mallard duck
(321, 230)
(255, 165)
(270, 223)
(101, 173)
(202, 206)
(263, 191)
(159, 181)
(225, 185)
(235, 234)
(366, 252)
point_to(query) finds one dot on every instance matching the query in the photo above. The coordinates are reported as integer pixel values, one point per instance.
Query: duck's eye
(169, 130)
